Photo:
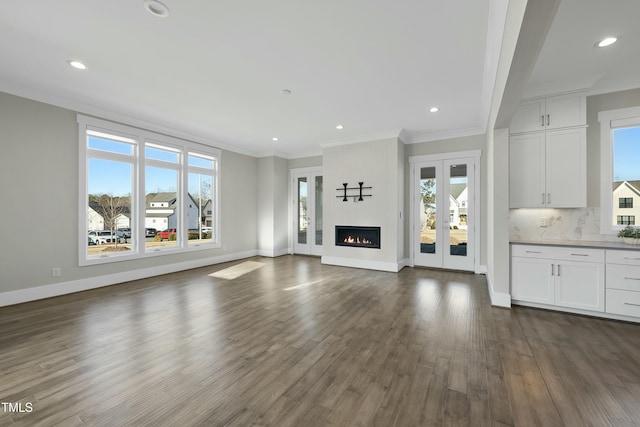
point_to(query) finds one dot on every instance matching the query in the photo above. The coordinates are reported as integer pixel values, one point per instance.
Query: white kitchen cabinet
(548, 169)
(623, 282)
(558, 277)
(554, 112)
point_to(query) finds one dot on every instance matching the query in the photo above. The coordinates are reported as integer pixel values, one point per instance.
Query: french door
(306, 185)
(444, 213)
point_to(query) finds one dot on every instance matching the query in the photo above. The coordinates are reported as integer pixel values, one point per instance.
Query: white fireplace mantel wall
(379, 164)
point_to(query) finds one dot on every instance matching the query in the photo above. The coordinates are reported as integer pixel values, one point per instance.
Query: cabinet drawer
(558, 253)
(625, 277)
(623, 257)
(626, 303)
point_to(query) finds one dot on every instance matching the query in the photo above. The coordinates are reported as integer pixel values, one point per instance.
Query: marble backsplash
(562, 224)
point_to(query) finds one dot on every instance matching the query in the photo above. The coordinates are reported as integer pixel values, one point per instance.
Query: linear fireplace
(359, 237)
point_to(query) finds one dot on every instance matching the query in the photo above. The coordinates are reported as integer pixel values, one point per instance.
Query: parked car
(124, 233)
(150, 232)
(91, 242)
(164, 234)
(101, 237)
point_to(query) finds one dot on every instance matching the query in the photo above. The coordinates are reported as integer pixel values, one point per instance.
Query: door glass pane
(458, 209)
(302, 210)
(428, 210)
(318, 210)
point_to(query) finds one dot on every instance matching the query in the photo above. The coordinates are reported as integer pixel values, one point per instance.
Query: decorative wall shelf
(349, 192)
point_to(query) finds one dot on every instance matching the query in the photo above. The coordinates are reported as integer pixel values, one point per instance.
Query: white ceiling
(569, 61)
(217, 69)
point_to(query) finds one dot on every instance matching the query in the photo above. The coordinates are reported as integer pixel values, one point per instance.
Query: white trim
(446, 156)
(394, 133)
(610, 120)
(358, 263)
(57, 289)
(481, 269)
(273, 253)
(601, 314)
(439, 136)
(498, 299)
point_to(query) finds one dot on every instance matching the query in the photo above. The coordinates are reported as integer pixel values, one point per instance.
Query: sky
(115, 178)
(626, 154)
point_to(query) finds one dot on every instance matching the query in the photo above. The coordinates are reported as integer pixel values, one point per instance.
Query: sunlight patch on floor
(302, 285)
(237, 270)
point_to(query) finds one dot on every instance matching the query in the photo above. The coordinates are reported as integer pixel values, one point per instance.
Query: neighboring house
(626, 203)
(207, 214)
(161, 211)
(95, 221)
(97, 217)
(457, 208)
(458, 205)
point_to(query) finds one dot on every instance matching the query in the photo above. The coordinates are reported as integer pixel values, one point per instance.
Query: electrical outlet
(56, 272)
(542, 222)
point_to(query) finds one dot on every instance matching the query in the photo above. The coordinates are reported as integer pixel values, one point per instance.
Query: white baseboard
(601, 314)
(498, 299)
(48, 291)
(481, 269)
(272, 253)
(358, 263)
(405, 262)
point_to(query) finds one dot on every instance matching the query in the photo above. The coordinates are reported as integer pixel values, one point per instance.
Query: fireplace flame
(357, 240)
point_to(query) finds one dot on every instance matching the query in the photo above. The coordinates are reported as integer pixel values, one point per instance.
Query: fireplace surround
(357, 236)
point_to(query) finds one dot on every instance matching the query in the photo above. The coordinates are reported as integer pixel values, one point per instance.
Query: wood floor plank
(298, 343)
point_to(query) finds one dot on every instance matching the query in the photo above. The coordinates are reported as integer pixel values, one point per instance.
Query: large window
(620, 175)
(144, 194)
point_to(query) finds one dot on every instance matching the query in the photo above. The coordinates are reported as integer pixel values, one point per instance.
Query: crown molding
(438, 136)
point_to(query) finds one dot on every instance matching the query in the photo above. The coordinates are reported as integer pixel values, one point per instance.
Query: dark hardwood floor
(297, 343)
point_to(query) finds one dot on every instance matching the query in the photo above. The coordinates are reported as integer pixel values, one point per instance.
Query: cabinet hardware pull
(548, 121)
(542, 120)
(628, 257)
(552, 269)
(548, 198)
(558, 270)
(632, 278)
(533, 252)
(580, 254)
(635, 305)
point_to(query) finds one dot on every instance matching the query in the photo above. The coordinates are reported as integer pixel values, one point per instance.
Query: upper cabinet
(554, 112)
(548, 153)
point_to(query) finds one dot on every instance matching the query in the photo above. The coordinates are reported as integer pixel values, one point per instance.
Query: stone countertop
(578, 243)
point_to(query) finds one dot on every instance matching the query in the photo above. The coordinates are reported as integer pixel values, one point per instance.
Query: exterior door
(444, 212)
(307, 211)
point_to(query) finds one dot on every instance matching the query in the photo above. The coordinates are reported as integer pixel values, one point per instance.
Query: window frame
(143, 137)
(609, 121)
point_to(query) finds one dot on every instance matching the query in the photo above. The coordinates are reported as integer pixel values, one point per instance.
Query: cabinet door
(526, 171)
(580, 285)
(565, 111)
(532, 280)
(529, 117)
(566, 172)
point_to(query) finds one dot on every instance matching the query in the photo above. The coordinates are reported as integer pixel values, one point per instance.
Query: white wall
(39, 168)
(272, 188)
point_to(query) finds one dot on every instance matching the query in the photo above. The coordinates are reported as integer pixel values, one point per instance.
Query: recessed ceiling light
(339, 127)
(156, 8)
(77, 64)
(434, 109)
(274, 139)
(606, 42)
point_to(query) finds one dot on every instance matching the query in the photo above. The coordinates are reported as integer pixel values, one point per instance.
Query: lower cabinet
(623, 282)
(559, 276)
